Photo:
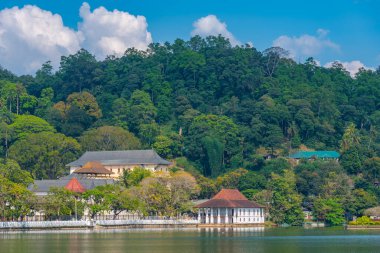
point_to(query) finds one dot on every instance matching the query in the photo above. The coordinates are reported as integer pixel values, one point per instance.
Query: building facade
(229, 206)
(114, 163)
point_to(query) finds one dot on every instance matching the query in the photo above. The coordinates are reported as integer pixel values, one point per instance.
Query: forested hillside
(212, 107)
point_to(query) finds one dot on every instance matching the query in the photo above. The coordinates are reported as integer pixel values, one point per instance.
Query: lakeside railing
(94, 223)
(95, 218)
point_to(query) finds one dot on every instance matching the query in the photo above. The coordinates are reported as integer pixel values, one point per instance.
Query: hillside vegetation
(215, 110)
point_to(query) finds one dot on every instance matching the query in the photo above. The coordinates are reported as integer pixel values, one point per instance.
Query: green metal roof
(317, 154)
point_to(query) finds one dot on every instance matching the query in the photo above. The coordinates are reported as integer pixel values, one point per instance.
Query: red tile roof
(229, 198)
(74, 186)
(231, 194)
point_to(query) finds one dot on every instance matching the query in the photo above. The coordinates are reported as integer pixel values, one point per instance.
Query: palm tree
(350, 137)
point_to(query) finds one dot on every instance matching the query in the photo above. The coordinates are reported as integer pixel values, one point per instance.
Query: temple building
(112, 164)
(230, 206)
(78, 183)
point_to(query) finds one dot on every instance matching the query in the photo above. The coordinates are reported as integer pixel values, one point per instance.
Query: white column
(218, 218)
(207, 217)
(226, 217)
(199, 215)
(212, 216)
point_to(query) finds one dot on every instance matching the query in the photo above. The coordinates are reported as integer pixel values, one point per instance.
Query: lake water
(282, 240)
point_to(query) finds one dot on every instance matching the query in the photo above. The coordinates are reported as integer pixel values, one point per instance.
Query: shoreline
(115, 224)
(363, 227)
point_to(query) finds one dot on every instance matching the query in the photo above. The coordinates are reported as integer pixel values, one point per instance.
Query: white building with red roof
(230, 206)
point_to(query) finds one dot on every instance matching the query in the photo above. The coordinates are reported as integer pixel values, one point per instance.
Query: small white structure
(229, 206)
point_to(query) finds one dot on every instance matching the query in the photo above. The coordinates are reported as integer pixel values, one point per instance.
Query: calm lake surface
(281, 240)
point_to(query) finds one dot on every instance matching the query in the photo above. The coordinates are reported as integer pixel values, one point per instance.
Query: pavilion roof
(74, 186)
(231, 198)
(230, 194)
(93, 167)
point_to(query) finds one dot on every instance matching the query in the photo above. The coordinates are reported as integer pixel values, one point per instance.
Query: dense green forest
(214, 110)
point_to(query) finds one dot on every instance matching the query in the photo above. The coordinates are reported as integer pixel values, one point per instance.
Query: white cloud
(107, 32)
(31, 36)
(306, 45)
(352, 67)
(212, 26)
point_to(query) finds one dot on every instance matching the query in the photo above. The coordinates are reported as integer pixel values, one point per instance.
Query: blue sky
(344, 30)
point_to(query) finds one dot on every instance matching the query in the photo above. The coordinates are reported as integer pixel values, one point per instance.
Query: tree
(208, 136)
(11, 170)
(15, 98)
(109, 138)
(76, 73)
(359, 201)
(44, 102)
(97, 200)
(168, 195)
(350, 137)
(371, 169)
(231, 179)
(275, 166)
(141, 110)
(286, 202)
(85, 101)
(112, 198)
(273, 56)
(148, 132)
(207, 187)
(329, 210)
(24, 125)
(163, 146)
(135, 176)
(214, 156)
(17, 197)
(45, 154)
(252, 181)
(351, 160)
(5, 137)
(61, 202)
(120, 112)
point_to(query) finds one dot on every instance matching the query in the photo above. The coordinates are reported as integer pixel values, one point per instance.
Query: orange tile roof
(230, 194)
(74, 186)
(93, 167)
(231, 198)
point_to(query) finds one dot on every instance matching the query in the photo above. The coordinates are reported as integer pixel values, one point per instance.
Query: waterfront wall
(93, 224)
(365, 227)
(45, 224)
(106, 223)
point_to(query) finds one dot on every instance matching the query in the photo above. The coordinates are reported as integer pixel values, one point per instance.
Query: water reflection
(192, 240)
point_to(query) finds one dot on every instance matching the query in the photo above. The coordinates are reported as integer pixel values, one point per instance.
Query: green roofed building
(325, 155)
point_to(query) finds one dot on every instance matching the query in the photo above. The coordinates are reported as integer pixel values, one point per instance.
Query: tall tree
(286, 202)
(45, 154)
(109, 138)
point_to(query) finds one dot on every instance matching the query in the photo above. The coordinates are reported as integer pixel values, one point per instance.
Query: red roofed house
(229, 206)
